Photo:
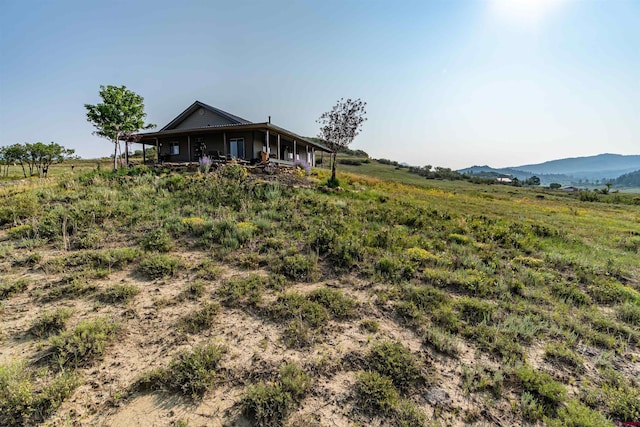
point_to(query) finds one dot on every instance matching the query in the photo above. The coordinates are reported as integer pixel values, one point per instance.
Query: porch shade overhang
(150, 137)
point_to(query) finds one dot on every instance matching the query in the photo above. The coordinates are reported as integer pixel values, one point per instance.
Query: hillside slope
(238, 299)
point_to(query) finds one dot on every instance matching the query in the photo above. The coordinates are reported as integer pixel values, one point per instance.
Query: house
(570, 189)
(203, 130)
(504, 180)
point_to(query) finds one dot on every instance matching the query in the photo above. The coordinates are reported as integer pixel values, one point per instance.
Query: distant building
(570, 189)
(504, 180)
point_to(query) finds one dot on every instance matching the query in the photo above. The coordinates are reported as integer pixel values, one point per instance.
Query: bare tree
(340, 126)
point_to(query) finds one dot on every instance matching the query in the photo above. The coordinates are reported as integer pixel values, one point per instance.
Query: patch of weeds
(9, 289)
(571, 293)
(522, 328)
(270, 404)
(71, 287)
(615, 396)
(51, 322)
(629, 313)
(195, 290)
(346, 253)
(29, 261)
(575, 414)
(396, 362)
(560, 353)
(159, 266)
(339, 305)
(27, 398)
(542, 386)
(110, 259)
(119, 294)
(157, 240)
(426, 298)
(482, 378)
(375, 392)
(394, 270)
(609, 291)
(296, 306)
(200, 319)
(532, 410)
(208, 270)
(442, 341)
(191, 373)
(369, 325)
(489, 338)
(407, 414)
(297, 267)
(85, 343)
(474, 310)
(242, 291)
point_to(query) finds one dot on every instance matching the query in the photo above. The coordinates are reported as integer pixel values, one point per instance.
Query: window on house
(174, 148)
(236, 148)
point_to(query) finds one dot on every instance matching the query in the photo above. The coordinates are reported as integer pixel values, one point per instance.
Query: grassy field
(234, 298)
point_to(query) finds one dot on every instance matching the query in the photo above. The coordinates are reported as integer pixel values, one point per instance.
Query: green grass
(491, 272)
(191, 373)
(86, 343)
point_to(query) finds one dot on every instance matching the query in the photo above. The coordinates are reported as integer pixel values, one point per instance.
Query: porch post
(313, 157)
(144, 155)
(278, 156)
(224, 143)
(294, 151)
(307, 148)
(157, 151)
(189, 146)
(268, 144)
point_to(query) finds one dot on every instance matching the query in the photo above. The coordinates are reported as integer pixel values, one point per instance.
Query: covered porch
(252, 143)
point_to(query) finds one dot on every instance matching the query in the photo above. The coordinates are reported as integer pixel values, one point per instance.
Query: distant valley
(621, 170)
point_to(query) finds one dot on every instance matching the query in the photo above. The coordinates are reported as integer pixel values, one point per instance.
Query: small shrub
(629, 313)
(297, 267)
(421, 256)
(371, 326)
(10, 289)
(159, 266)
(119, 294)
(27, 399)
(532, 410)
(191, 372)
(541, 385)
(474, 310)
(208, 270)
(408, 414)
(157, 240)
(396, 362)
(575, 414)
(375, 392)
(71, 287)
(560, 353)
(269, 404)
(85, 343)
(441, 341)
(51, 322)
(295, 306)
(339, 305)
(482, 378)
(201, 319)
(195, 290)
(242, 291)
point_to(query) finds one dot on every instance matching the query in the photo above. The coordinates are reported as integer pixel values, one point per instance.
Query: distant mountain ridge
(569, 170)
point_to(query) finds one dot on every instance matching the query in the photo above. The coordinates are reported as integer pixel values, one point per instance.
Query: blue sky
(448, 83)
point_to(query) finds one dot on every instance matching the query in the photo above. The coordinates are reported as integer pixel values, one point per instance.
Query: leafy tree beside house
(118, 117)
(339, 127)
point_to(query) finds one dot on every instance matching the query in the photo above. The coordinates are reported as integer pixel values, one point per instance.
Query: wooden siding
(202, 118)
